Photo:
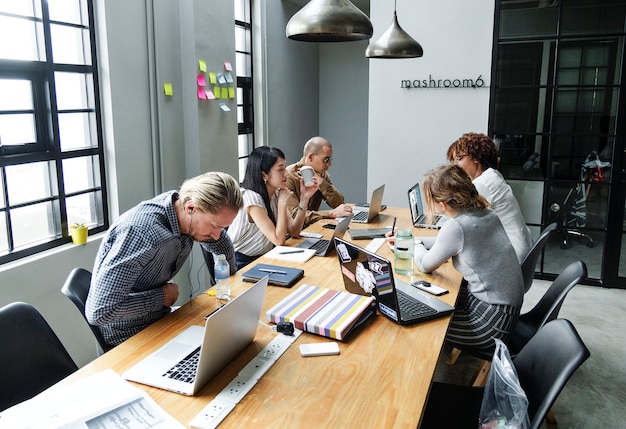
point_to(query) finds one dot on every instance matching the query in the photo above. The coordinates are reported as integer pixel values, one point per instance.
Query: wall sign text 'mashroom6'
(432, 82)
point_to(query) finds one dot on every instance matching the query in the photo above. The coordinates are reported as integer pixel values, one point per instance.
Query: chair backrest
(530, 260)
(543, 379)
(32, 358)
(548, 307)
(76, 288)
(210, 263)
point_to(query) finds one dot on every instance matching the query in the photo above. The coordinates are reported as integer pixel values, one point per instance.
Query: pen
(272, 271)
(290, 252)
(393, 226)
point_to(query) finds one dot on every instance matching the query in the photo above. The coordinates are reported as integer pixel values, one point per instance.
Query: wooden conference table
(381, 378)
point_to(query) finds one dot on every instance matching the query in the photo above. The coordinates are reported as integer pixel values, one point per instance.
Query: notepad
(278, 275)
(330, 313)
(293, 254)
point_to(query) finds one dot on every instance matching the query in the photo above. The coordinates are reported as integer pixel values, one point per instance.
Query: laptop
(366, 273)
(227, 331)
(420, 220)
(324, 247)
(367, 213)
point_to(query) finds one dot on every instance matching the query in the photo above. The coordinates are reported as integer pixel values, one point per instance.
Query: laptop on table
(187, 362)
(367, 213)
(366, 273)
(419, 219)
(324, 247)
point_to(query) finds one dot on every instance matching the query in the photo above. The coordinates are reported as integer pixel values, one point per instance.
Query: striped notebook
(321, 311)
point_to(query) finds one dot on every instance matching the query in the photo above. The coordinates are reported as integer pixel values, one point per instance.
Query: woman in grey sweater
(492, 291)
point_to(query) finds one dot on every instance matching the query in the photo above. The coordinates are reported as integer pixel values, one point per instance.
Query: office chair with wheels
(529, 263)
(542, 379)
(76, 288)
(32, 358)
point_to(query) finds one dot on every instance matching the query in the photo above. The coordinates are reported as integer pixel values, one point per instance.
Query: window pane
(243, 64)
(4, 241)
(242, 39)
(32, 224)
(17, 94)
(243, 162)
(70, 45)
(592, 17)
(17, 129)
(75, 130)
(74, 91)
(525, 20)
(83, 209)
(80, 174)
(68, 11)
(23, 39)
(242, 10)
(17, 7)
(28, 182)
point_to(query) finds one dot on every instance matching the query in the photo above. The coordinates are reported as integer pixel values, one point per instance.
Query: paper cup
(307, 175)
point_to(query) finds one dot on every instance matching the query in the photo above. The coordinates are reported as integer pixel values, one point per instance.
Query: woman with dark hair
(265, 220)
(477, 155)
(493, 288)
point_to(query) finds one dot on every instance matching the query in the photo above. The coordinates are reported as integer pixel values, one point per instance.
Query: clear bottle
(222, 277)
(403, 252)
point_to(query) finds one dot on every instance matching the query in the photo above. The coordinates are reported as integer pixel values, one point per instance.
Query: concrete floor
(593, 397)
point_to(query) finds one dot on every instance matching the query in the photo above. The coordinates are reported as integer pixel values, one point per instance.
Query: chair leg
(480, 377)
(454, 355)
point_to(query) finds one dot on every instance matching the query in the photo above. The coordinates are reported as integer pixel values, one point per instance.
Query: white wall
(411, 129)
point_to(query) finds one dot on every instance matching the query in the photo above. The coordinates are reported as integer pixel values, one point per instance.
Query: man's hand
(342, 210)
(171, 294)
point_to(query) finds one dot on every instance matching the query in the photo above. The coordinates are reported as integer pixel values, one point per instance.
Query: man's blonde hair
(210, 192)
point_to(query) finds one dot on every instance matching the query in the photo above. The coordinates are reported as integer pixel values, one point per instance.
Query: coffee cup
(307, 175)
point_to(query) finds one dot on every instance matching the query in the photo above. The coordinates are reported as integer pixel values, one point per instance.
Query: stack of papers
(293, 254)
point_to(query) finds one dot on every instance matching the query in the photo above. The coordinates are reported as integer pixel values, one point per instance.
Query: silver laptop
(366, 273)
(227, 331)
(419, 219)
(324, 247)
(365, 214)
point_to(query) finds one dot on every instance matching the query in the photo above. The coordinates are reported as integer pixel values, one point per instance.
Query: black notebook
(278, 275)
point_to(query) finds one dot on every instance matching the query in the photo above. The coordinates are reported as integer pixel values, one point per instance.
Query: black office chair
(529, 263)
(548, 306)
(32, 358)
(210, 263)
(76, 288)
(543, 366)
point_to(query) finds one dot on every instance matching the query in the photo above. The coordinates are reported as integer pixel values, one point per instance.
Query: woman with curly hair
(477, 155)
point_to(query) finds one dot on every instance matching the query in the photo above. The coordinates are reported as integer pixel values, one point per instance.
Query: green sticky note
(231, 92)
(202, 66)
(217, 91)
(168, 89)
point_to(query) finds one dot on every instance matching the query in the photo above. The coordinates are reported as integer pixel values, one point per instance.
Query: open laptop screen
(415, 203)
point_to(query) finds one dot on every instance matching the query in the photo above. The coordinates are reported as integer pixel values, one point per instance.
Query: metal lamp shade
(394, 43)
(329, 21)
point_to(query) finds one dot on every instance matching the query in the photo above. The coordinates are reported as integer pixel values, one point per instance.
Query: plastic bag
(504, 405)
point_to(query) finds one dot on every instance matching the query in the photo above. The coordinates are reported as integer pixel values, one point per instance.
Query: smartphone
(429, 287)
(329, 226)
(319, 349)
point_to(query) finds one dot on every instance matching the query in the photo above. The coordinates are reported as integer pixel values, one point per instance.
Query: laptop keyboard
(319, 245)
(413, 308)
(185, 370)
(423, 220)
(360, 216)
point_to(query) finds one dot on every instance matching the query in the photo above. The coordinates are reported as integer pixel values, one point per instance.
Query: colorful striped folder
(326, 312)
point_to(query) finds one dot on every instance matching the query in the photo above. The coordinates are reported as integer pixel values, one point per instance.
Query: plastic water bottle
(222, 278)
(403, 252)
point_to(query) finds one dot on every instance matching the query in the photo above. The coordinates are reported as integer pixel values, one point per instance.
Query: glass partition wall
(555, 111)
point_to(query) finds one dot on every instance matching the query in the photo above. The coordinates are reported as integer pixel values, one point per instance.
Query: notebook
(367, 273)
(325, 247)
(365, 214)
(227, 331)
(366, 233)
(420, 220)
(278, 275)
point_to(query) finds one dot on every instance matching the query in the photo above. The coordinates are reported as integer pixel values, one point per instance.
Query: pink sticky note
(201, 80)
(210, 95)
(227, 66)
(201, 93)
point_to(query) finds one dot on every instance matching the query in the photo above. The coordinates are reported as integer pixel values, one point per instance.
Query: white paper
(103, 401)
(285, 253)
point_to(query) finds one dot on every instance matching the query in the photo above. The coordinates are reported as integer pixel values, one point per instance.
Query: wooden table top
(381, 378)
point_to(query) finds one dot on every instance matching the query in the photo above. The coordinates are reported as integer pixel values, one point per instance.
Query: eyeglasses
(328, 159)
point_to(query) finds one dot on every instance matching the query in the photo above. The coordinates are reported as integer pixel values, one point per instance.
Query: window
(51, 155)
(243, 55)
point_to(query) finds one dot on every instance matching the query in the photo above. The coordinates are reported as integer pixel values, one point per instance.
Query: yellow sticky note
(202, 66)
(217, 91)
(212, 78)
(231, 92)
(168, 89)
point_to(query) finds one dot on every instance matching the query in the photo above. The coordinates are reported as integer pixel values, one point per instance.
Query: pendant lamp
(329, 21)
(394, 43)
